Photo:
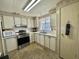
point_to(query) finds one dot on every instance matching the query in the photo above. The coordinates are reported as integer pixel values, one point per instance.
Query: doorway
(68, 42)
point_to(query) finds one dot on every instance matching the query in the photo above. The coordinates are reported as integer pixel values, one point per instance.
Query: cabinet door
(53, 21)
(35, 37)
(42, 40)
(11, 44)
(17, 21)
(8, 22)
(47, 41)
(24, 21)
(37, 22)
(30, 23)
(52, 43)
(32, 37)
(38, 40)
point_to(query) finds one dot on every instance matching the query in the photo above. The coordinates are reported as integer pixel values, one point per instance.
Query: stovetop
(23, 35)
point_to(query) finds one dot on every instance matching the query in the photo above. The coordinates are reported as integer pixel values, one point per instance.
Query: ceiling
(16, 6)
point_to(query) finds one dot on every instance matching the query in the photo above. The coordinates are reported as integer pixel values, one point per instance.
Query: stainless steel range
(23, 38)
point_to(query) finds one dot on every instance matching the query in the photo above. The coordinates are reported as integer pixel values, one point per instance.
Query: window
(45, 24)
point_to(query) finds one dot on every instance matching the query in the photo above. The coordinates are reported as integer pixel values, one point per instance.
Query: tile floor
(33, 51)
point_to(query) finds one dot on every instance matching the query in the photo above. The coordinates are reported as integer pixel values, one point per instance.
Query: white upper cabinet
(37, 22)
(53, 21)
(24, 21)
(30, 23)
(8, 22)
(18, 21)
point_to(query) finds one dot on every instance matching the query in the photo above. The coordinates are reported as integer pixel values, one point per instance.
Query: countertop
(8, 37)
(53, 34)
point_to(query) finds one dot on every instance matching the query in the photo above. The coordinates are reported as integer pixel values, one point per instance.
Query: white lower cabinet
(38, 39)
(11, 44)
(47, 41)
(35, 37)
(42, 40)
(31, 37)
(53, 43)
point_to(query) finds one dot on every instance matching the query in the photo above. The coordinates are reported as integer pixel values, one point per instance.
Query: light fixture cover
(30, 4)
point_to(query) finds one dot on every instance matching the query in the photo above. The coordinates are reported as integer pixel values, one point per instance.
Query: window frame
(45, 20)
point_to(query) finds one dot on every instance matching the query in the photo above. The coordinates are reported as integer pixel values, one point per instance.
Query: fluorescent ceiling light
(29, 5)
(33, 5)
